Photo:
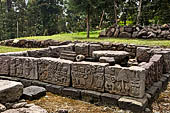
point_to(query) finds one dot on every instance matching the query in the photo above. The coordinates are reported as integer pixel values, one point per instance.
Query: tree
(86, 7)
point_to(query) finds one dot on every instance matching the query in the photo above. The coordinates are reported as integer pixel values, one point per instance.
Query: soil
(53, 103)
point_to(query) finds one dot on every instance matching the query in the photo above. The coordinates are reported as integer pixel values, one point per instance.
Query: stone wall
(83, 48)
(144, 32)
(92, 79)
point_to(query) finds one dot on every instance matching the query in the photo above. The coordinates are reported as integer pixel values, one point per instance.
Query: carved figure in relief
(123, 78)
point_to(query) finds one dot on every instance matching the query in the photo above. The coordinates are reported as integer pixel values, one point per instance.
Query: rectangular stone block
(88, 75)
(158, 66)
(54, 89)
(166, 61)
(24, 67)
(125, 81)
(134, 104)
(150, 73)
(91, 96)
(94, 47)
(39, 53)
(56, 50)
(110, 99)
(55, 71)
(82, 49)
(71, 93)
(5, 65)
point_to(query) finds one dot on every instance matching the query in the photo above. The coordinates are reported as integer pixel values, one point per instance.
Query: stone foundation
(91, 80)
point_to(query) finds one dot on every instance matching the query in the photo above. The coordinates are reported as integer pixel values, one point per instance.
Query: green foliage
(4, 49)
(49, 17)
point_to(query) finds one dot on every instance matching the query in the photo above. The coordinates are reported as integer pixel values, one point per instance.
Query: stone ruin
(138, 31)
(128, 76)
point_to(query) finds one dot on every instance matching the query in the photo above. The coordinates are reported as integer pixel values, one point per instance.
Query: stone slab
(71, 93)
(10, 91)
(55, 71)
(88, 75)
(24, 67)
(56, 50)
(5, 65)
(125, 80)
(143, 54)
(134, 104)
(91, 96)
(33, 92)
(54, 89)
(110, 99)
(82, 49)
(119, 56)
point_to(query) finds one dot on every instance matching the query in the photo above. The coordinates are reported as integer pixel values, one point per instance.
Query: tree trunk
(9, 5)
(115, 11)
(88, 24)
(101, 20)
(139, 12)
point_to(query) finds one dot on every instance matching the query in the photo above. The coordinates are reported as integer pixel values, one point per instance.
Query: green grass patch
(4, 49)
(81, 36)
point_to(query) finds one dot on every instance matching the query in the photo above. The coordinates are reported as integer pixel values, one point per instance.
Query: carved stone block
(25, 67)
(143, 54)
(125, 81)
(88, 75)
(55, 71)
(158, 63)
(4, 65)
(82, 49)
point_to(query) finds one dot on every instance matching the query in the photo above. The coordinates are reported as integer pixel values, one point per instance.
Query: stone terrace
(123, 82)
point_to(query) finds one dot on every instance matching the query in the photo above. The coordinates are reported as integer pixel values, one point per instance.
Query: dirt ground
(52, 103)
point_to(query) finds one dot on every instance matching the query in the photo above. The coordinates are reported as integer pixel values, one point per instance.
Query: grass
(4, 49)
(81, 36)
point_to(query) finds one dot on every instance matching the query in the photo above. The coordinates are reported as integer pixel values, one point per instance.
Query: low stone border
(98, 98)
(138, 31)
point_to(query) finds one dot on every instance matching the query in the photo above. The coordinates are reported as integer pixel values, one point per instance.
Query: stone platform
(91, 80)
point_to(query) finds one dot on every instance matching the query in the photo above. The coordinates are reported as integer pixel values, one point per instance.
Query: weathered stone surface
(109, 60)
(33, 92)
(54, 89)
(2, 108)
(158, 66)
(80, 58)
(25, 67)
(10, 91)
(143, 54)
(82, 49)
(24, 53)
(55, 71)
(166, 61)
(71, 92)
(150, 73)
(56, 50)
(110, 99)
(32, 109)
(134, 104)
(91, 96)
(125, 35)
(39, 83)
(94, 47)
(68, 55)
(125, 81)
(5, 65)
(39, 53)
(88, 75)
(119, 56)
